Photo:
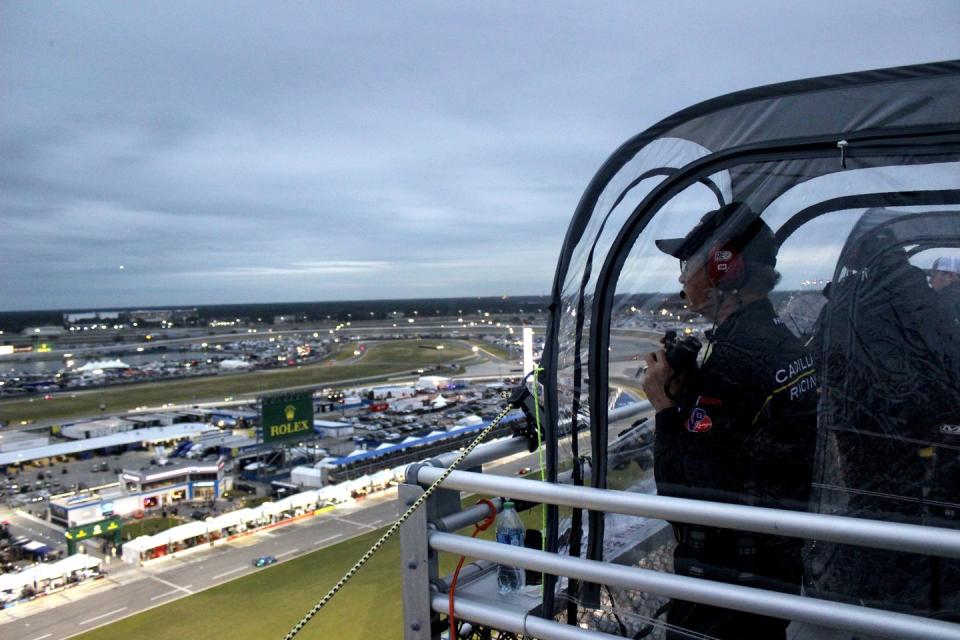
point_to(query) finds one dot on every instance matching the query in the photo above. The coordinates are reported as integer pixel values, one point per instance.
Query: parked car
(264, 561)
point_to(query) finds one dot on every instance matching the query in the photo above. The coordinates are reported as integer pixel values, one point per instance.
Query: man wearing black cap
(741, 427)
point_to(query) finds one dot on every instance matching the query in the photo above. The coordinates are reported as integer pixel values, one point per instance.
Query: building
(165, 486)
(91, 318)
(95, 428)
(84, 509)
(21, 440)
(397, 391)
(133, 439)
(331, 429)
(143, 490)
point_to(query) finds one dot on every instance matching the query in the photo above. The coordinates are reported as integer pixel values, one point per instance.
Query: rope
(483, 525)
(540, 456)
(396, 526)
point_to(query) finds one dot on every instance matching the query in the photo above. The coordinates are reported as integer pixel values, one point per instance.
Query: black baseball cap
(735, 225)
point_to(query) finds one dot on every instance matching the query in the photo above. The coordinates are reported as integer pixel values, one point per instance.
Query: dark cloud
(254, 152)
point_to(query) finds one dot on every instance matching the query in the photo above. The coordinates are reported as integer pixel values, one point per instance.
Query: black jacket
(745, 428)
(950, 299)
(744, 432)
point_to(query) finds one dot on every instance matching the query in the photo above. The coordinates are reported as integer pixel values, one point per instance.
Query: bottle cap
(508, 504)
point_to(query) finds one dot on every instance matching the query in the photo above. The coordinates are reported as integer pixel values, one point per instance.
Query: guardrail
(427, 533)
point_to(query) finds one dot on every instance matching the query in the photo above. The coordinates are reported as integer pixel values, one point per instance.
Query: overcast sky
(173, 153)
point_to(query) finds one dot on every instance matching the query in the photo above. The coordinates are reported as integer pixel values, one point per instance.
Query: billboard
(93, 529)
(286, 416)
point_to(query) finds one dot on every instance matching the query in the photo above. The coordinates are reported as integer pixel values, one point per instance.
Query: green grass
(251, 503)
(266, 604)
(380, 359)
(148, 527)
(499, 352)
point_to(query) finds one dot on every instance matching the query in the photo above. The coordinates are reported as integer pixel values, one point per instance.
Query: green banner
(110, 526)
(288, 415)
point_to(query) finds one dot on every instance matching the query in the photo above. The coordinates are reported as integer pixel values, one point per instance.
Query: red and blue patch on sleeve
(699, 421)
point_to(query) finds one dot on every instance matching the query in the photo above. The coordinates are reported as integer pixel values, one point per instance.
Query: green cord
(536, 414)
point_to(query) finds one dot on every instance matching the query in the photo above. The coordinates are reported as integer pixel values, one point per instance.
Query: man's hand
(658, 374)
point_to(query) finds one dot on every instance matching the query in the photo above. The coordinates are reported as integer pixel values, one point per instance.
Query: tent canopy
(858, 176)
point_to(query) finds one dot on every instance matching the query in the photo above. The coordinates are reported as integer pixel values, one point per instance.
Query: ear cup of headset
(725, 267)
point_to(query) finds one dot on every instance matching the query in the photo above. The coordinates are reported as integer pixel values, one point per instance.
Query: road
(34, 528)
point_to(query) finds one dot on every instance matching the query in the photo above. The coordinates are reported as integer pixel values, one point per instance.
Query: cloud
(372, 150)
(333, 267)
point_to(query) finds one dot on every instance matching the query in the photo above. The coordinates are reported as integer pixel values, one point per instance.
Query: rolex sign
(288, 415)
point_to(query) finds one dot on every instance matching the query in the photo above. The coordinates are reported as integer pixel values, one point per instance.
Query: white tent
(233, 519)
(439, 402)
(225, 520)
(339, 492)
(234, 364)
(298, 500)
(100, 365)
(246, 514)
(382, 478)
(432, 383)
(268, 509)
(77, 562)
(133, 549)
(181, 533)
(37, 573)
(48, 571)
(358, 484)
(16, 581)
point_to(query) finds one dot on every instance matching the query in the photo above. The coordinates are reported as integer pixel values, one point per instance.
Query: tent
(101, 365)
(233, 364)
(812, 158)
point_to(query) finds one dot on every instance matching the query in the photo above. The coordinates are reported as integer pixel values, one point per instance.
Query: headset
(726, 269)
(726, 265)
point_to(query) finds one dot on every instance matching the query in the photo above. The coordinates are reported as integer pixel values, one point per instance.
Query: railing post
(418, 566)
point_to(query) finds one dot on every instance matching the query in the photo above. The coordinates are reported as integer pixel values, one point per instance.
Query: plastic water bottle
(509, 531)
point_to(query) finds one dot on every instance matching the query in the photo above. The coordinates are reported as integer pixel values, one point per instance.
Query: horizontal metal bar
(483, 454)
(506, 620)
(856, 531)
(502, 448)
(469, 571)
(465, 518)
(769, 603)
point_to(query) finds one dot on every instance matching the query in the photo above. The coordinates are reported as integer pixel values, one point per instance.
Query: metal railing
(426, 534)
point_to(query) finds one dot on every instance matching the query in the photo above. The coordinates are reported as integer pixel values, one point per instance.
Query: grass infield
(380, 359)
(148, 527)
